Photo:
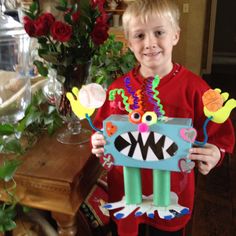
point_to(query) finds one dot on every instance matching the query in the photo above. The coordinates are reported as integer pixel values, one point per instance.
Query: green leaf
(28, 119)
(75, 7)
(119, 46)
(43, 50)
(31, 16)
(8, 169)
(13, 145)
(34, 7)
(7, 129)
(33, 10)
(41, 68)
(10, 225)
(85, 10)
(109, 61)
(60, 8)
(51, 128)
(10, 211)
(36, 100)
(7, 214)
(42, 40)
(112, 68)
(53, 57)
(26, 209)
(63, 3)
(33, 117)
(67, 18)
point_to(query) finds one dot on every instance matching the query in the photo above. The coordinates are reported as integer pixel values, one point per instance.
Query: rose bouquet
(67, 45)
(71, 40)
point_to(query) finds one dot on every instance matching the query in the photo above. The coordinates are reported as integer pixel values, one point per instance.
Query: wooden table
(57, 177)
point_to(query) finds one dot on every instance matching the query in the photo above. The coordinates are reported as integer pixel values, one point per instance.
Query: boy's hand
(98, 143)
(206, 157)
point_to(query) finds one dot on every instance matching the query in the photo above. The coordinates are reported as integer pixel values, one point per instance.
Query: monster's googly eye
(135, 117)
(149, 118)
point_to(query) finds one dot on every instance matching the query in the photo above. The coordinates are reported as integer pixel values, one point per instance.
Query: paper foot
(146, 207)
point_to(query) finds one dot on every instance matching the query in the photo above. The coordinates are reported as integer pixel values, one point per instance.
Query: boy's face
(152, 44)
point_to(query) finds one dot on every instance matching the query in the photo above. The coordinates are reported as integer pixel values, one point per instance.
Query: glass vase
(76, 76)
(15, 87)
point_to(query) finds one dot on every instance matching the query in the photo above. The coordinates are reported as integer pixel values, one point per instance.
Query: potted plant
(111, 61)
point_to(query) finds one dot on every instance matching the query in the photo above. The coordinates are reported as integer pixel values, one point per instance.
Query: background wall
(189, 49)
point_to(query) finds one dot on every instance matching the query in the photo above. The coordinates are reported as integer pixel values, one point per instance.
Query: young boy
(152, 29)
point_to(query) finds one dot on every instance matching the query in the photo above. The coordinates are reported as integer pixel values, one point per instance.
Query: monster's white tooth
(145, 136)
(126, 137)
(125, 151)
(137, 153)
(166, 155)
(135, 135)
(157, 136)
(167, 143)
(151, 155)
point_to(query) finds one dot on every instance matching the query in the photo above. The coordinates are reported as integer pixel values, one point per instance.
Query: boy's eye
(139, 36)
(159, 33)
(149, 118)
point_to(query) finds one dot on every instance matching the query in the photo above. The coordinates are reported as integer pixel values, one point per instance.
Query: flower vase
(75, 76)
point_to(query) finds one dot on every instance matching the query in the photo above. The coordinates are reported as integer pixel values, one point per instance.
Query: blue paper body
(166, 137)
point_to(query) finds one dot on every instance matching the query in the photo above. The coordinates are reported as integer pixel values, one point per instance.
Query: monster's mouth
(146, 146)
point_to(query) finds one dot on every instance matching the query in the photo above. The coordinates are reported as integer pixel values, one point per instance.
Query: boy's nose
(150, 46)
(150, 43)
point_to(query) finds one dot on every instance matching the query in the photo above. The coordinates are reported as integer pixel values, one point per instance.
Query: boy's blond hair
(143, 9)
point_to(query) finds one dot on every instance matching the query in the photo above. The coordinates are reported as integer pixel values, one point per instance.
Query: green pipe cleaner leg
(133, 185)
(161, 188)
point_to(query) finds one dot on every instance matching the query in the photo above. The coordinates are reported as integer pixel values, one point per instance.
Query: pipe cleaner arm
(217, 108)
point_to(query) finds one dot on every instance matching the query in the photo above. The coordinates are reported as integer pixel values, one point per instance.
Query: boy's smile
(152, 43)
(153, 54)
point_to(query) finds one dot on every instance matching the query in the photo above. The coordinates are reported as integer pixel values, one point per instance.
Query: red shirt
(180, 93)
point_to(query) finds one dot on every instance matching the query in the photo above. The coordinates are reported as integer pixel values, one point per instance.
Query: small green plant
(111, 61)
(38, 117)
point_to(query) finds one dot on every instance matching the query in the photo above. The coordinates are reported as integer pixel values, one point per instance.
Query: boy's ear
(176, 37)
(129, 46)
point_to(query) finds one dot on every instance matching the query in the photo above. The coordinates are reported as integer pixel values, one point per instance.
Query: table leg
(66, 224)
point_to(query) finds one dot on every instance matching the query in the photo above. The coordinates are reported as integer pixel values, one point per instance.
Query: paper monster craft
(147, 139)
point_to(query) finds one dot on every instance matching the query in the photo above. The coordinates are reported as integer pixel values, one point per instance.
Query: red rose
(61, 31)
(75, 16)
(102, 19)
(99, 33)
(29, 26)
(48, 19)
(44, 23)
(100, 4)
